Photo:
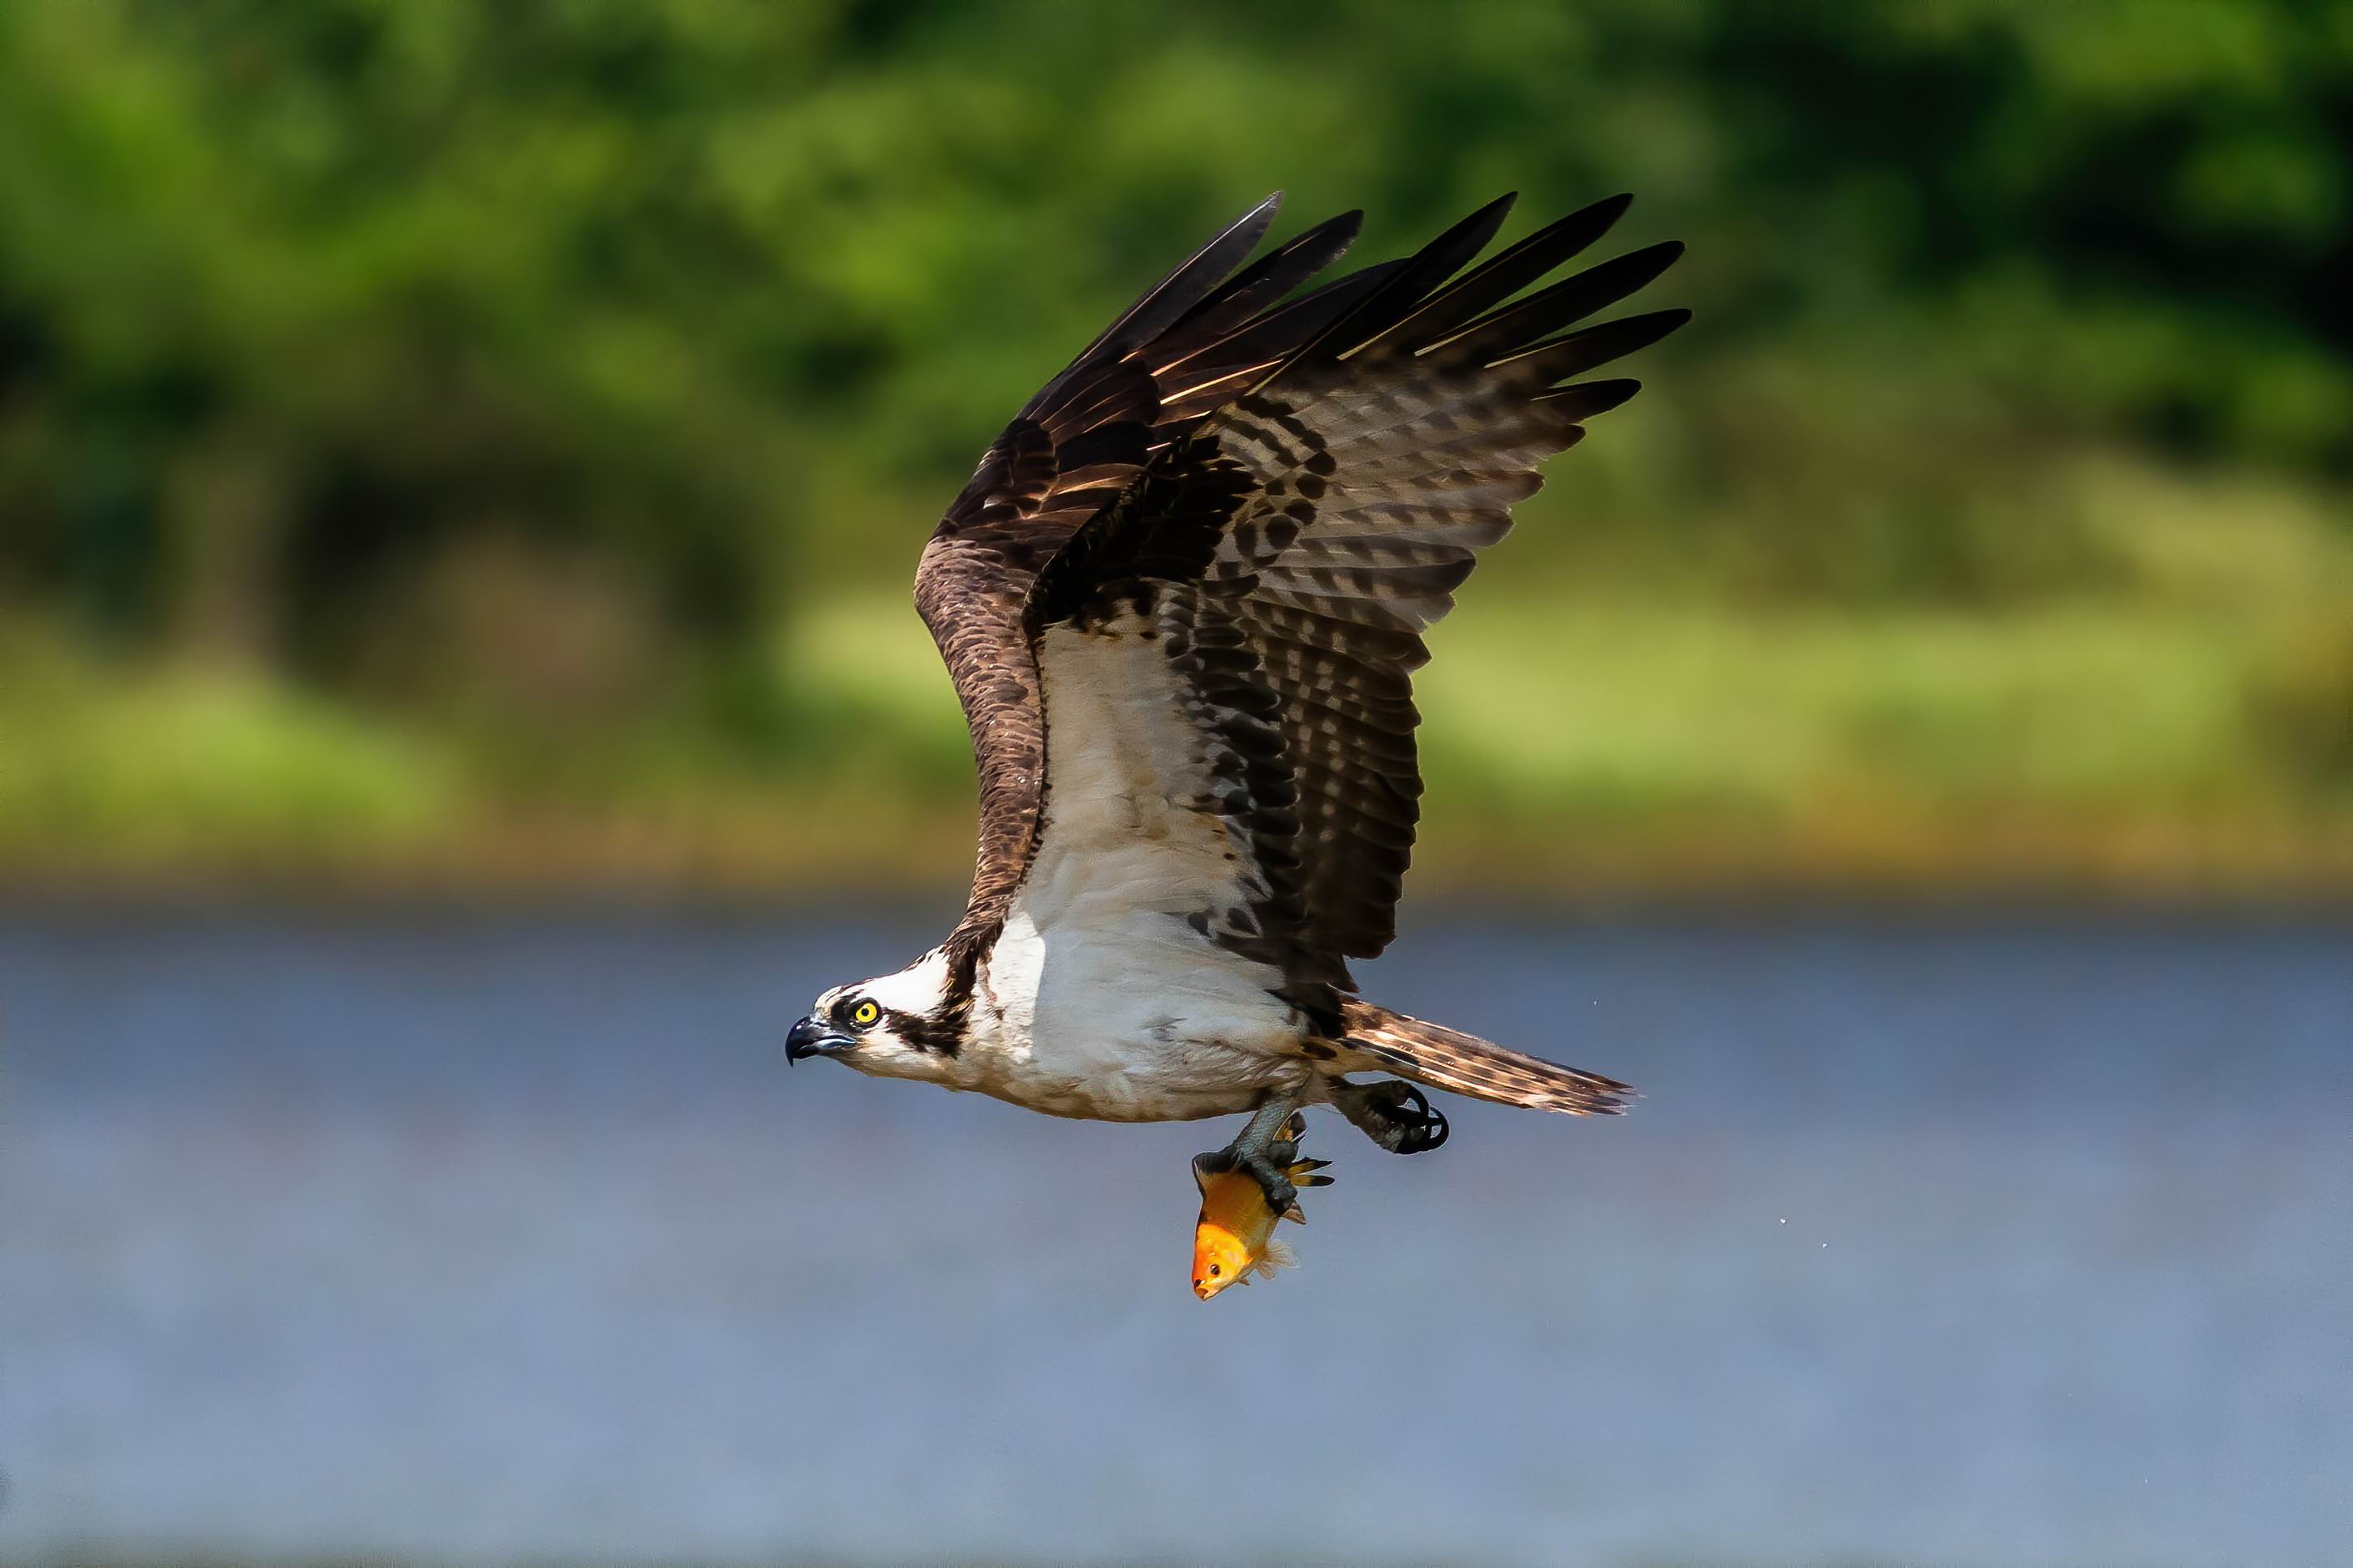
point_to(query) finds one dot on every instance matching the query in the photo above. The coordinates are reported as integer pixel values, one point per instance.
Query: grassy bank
(2185, 729)
(485, 447)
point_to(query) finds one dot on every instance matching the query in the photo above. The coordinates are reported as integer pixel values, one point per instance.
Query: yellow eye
(864, 1013)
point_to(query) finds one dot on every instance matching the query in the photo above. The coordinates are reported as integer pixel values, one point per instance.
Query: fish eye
(865, 1014)
(1216, 1269)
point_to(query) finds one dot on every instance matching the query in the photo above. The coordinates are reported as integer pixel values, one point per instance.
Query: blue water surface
(466, 1240)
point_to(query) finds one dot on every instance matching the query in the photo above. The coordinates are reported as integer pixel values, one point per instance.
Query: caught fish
(1234, 1239)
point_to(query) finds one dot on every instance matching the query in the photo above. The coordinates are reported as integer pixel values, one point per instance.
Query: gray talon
(1268, 1173)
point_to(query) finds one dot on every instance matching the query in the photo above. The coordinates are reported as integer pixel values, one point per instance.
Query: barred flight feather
(1278, 491)
(1449, 1058)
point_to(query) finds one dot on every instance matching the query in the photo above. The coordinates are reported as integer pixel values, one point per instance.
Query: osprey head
(894, 1025)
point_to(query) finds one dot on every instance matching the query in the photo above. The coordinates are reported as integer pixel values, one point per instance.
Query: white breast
(1101, 998)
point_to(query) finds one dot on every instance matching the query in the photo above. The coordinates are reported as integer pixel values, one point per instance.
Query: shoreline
(1836, 861)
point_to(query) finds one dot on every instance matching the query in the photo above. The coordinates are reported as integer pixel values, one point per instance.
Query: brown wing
(1167, 360)
(1286, 557)
(1385, 462)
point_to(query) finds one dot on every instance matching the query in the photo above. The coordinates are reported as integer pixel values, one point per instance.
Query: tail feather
(1448, 1059)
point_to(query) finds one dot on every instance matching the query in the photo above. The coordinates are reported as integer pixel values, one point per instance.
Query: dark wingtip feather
(1486, 286)
(1599, 216)
(1526, 323)
(1422, 272)
(1493, 213)
(1190, 281)
(1262, 215)
(1591, 347)
(1586, 399)
(1234, 304)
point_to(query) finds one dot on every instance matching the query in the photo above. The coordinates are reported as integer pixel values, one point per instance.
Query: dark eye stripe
(940, 1031)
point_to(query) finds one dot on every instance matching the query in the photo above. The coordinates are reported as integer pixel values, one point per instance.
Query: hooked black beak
(811, 1039)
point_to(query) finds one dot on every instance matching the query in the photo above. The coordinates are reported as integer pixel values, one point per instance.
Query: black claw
(1396, 1115)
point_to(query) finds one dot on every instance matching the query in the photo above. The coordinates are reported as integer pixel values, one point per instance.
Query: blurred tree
(528, 356)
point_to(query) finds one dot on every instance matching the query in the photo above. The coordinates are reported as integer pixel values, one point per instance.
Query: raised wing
(1255, 600)
(1167, 360)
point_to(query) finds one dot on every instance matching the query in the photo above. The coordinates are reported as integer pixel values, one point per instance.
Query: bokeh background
(460, 472)
(463, 443)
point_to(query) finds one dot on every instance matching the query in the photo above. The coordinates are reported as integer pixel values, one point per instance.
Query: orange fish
(1234, 1240)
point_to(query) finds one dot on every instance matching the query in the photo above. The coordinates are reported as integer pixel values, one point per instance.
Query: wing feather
(1273, 494)
(1382, 455)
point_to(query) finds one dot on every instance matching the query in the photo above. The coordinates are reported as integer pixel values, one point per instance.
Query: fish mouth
(810, 1038)
(1206, 1284)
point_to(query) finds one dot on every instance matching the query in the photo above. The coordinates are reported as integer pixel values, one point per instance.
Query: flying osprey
(1181, 600)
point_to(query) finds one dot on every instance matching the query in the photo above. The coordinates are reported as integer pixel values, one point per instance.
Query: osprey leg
(1392, 1113)
(1265, 1148)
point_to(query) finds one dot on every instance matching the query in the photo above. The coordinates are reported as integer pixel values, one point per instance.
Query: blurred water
(474, 1240)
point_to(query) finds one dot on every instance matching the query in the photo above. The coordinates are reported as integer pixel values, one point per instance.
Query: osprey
(1181, 601)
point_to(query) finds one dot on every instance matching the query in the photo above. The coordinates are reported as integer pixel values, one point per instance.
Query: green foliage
(163, 768)
(507, 376)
